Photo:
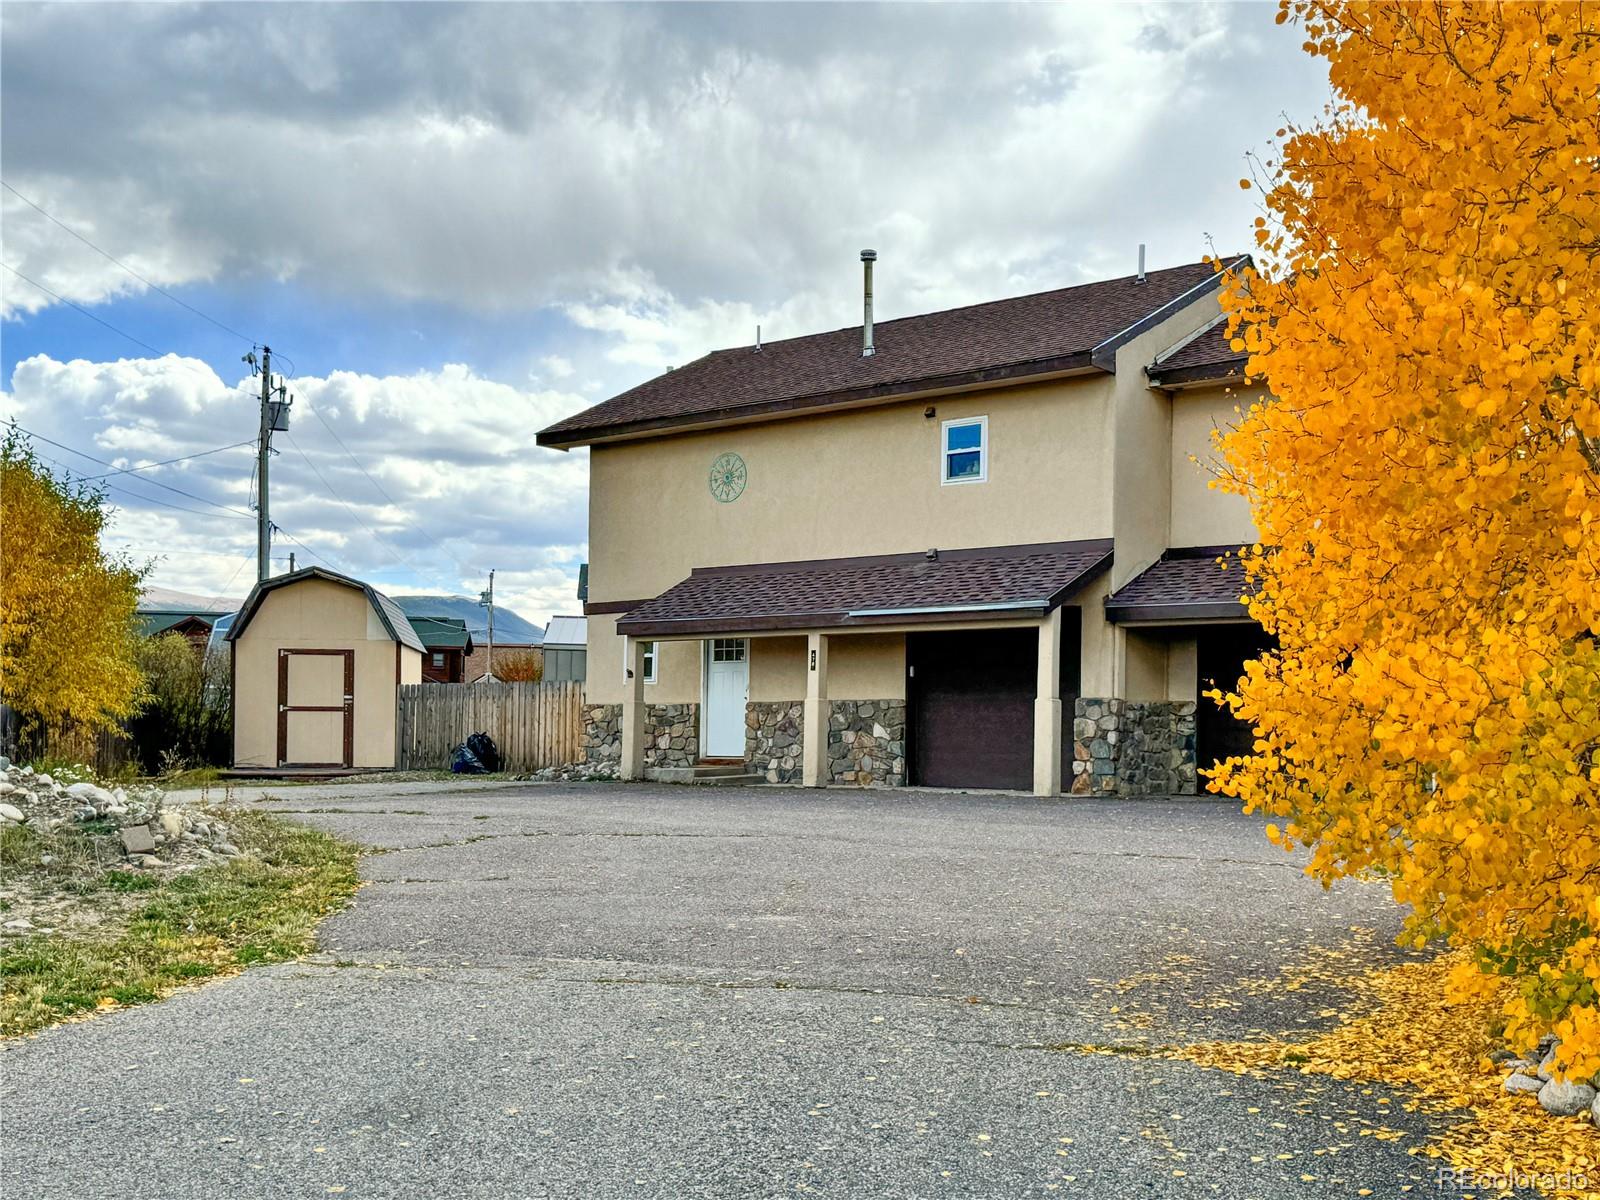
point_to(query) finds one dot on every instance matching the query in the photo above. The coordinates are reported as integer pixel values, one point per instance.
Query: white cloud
(506, 158)
(445, 481)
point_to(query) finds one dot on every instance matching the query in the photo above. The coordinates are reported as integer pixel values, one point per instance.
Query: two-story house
(966, 549)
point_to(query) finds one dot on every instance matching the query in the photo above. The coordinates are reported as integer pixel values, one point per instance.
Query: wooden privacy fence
(534, 724)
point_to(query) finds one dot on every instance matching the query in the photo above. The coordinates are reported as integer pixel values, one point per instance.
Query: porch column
(814, 745)
(1047, 710)
(632, 765)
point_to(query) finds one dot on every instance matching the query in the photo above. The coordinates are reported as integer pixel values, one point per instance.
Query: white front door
(727, 689)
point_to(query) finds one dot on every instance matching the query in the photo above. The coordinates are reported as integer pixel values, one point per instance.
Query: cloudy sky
(457, 223)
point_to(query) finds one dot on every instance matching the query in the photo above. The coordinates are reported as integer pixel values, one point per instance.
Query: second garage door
(970, 696)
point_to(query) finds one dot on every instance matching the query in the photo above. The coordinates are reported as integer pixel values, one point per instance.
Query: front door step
(724, 774)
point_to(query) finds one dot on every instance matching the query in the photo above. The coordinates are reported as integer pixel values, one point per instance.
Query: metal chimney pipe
(1141, 263)
(868, 257)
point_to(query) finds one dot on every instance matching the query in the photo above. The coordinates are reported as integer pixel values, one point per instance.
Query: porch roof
(1188, 583)
(887, 589)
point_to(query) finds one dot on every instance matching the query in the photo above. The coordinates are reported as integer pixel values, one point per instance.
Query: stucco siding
(848, 484)
(1203, 515)
(1141, 477)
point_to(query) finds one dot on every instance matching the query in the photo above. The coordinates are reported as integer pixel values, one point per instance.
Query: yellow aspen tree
(67, 641)
(1424, 312)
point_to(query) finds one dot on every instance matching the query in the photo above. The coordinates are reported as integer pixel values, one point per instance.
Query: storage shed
(317, 659)
(566, 649)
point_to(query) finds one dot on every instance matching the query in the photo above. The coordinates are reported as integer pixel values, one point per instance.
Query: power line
(72, 472)
(84, 311)
(302, 545)
(382, 491)
(394, 551)
(112, 258)
(156, 482)
(167, 462)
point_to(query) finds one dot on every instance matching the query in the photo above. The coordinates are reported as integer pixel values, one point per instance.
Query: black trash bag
(482, 745)
(464, 762)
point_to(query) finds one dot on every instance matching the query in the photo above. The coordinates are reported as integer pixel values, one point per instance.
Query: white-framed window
(727, 649)
(650, 660)
(964, 450)
(438, 658)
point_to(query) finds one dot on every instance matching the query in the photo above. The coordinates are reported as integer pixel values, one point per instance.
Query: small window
(727, 649)
(964, 456)
(650, 660)
(438, 659)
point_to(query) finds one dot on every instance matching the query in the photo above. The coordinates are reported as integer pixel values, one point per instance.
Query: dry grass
(161, 932)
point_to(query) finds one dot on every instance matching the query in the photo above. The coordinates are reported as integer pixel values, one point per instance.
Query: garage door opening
(970, 699)
(1220, 655)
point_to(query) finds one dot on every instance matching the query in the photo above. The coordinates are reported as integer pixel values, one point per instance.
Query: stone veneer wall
(672, 734)
(1133, 747)
(774, 731)
(1158, 756)
(602, 733)
(867, 742)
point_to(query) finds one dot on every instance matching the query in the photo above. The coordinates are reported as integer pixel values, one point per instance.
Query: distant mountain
(160, 597)
(509, 628)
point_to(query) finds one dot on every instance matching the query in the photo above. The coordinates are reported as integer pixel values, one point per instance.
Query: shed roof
(1190, 583)
(388, 611)
(153, 621)
(1002, 340)
(885, 589)
(566, 631)
(442, 633)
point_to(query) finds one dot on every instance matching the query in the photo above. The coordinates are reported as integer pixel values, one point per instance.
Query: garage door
(316, 707)
(970, 696)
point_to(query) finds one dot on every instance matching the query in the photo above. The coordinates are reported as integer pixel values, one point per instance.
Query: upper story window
(964, 454)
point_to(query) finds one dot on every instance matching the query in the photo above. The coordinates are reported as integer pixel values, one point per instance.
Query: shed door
(316, 707)
(971, 707)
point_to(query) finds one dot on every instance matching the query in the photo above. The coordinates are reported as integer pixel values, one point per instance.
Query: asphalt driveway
(608, 990)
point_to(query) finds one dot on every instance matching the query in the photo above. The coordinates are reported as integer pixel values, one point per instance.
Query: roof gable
(394, 621)
(1025, 336)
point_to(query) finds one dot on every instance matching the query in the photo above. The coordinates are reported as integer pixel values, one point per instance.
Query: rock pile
(584, 772)
(150, 833)
(1534, 1075)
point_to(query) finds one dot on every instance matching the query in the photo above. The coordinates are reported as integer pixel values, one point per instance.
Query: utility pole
(274, 415)
(487, 600)
(263, 458)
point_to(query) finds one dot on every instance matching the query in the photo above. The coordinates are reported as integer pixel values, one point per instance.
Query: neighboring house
(965, 549)
(317, 662)
(477, 667)
(446, 643)
(566, 649)
(196, 626)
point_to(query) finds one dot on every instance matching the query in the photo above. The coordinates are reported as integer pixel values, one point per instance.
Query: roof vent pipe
(1140, 279)
(868, 257)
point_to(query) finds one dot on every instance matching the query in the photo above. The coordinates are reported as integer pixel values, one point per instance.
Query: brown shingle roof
(1209, 356)
(1003, 339)
(1183, 584)
(881, 589)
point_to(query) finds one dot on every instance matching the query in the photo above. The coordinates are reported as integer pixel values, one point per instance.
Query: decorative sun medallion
(728, 477)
